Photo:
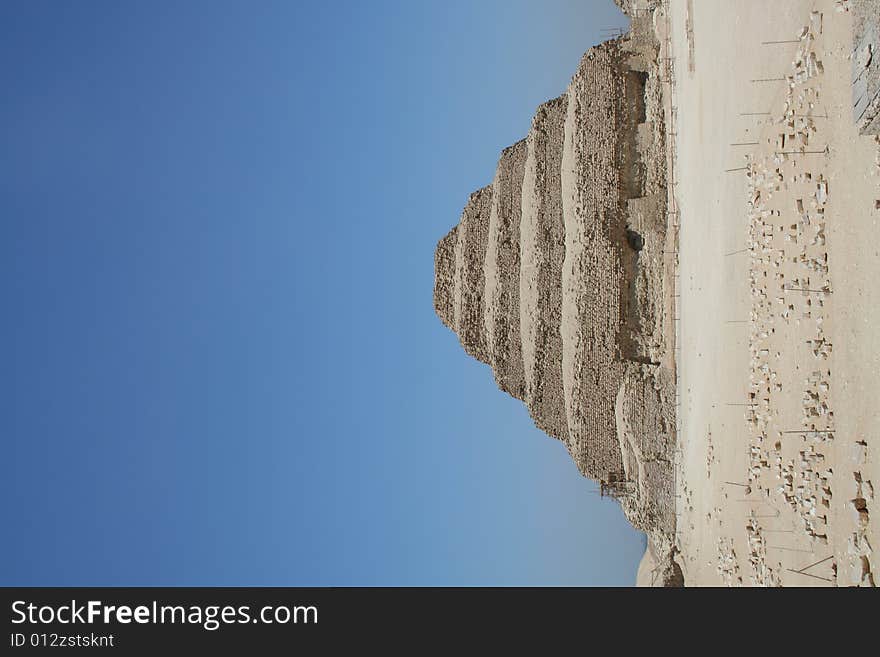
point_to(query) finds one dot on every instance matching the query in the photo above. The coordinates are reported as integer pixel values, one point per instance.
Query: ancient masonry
(555, 276)
(866, 65)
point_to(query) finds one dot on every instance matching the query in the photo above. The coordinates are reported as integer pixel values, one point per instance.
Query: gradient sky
(222, 364)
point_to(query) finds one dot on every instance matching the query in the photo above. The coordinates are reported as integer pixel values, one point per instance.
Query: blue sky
(222, 362)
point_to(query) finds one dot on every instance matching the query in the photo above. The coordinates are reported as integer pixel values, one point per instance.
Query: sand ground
(756, 359)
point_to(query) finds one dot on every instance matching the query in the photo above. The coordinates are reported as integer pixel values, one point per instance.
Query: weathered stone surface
(554, 276)
(866, 66)
(444, 278)
(542, 252)
(473, 239)
(502, 272)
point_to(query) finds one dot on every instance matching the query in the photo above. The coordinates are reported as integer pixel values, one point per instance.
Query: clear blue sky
(221, 360)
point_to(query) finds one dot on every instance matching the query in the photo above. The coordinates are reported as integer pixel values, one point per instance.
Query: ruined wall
(473, 238)
(501, 307)
(866, 65)
(444, 268)
(542, 251)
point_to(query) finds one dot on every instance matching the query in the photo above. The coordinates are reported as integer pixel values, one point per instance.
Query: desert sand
(779, 308)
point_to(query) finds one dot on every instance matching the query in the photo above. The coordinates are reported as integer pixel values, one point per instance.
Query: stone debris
(788, 281)
(762, 573)
(728, 567)
(790, 289)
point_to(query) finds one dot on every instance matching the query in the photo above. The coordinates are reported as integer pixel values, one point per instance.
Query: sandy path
(728, 533)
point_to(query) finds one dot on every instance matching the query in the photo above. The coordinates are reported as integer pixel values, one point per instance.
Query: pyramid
(555, 275)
